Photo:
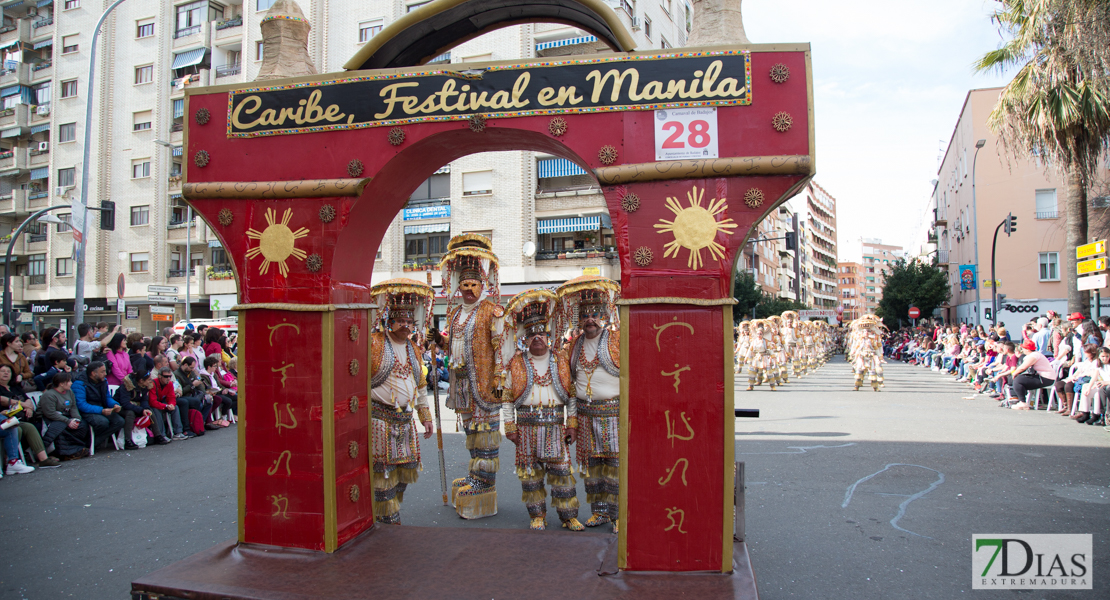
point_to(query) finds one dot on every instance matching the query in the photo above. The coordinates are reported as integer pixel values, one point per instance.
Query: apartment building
(1029, 263)
(850, 289)
(546, 216)
(817, 210)
(877, 258)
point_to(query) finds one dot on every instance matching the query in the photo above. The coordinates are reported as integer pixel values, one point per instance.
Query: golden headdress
(589, 294)
(402, 297)
(470, 256)
(532, 312)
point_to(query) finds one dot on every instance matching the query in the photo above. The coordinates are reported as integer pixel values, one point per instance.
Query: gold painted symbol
(661, 328)
(695, 227)
(677, 374)
(671, 471)
(281, 505)
(276, 243)
(671, 426)
(278, 418)
(671, 512)
(287, 455)
(282, 369)
(274, 328)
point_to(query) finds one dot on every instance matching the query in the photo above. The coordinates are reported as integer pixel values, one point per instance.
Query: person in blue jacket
(96, 405)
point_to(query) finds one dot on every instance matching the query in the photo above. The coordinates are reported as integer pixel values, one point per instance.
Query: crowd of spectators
(63, 403)
(1064, 361)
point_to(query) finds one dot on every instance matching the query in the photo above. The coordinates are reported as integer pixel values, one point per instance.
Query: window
(63, 227)
(368, 29)
(433, 188)
(1046, 204)
(264, 4)
(175, 265)
(42, 93)
(63, 267)
(36, 269)
(415, 5)
(689, 17)
(69, 89)
(69, 43)
(141, 120)
(220, 261)
(144, 74)
(140, 168)
(140, 262)
(71, 4)
(478, 182)
(66, 177)
(258, 51)
(140, 215)
(425, 247)
(647, 28)
(144, 28)
(191, 16)
(197, 260)
(67, 132)
(1050, 266)
(663, 43)
(667, 7)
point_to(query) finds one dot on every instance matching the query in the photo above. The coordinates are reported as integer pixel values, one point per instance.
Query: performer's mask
(471, 290)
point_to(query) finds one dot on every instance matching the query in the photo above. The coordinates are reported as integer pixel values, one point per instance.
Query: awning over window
(188, 58)
(567, 225)
(9, 91)
(432, 228)
(558, 167)
(13, 132)
(6, 45)
(178, 150)
(40, 173)
(40, 128)
(572, 41)
(442, 170)
(215, 244)
(43, 3)
(44, 44)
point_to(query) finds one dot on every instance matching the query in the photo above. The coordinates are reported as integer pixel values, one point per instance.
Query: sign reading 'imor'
(622, 82)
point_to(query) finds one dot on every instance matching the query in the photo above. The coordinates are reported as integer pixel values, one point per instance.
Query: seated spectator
(11, 354)
(52, 339)
(14, 456)
(1079, 381)
(164, 401)
(174, 349)
(219, 395)
(134, 401)
(119, 361)
(64, 425)
(58, 364)
(140, 361)
(97, 407)
(28, 431)
(192, 391)
(157, 347)
(31, 346)
(1033, 373)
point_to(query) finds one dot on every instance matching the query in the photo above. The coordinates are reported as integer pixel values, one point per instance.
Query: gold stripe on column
(369, 425)
(240, 429)
(622, 535)
(331, 528)
(729, 427)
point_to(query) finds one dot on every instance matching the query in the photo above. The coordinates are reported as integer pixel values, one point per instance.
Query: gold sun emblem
(276, 243)
(695, 227)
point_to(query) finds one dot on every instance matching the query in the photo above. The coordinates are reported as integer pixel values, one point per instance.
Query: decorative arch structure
(300, 179)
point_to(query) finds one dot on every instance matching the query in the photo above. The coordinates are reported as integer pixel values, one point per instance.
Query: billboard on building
(967, 277)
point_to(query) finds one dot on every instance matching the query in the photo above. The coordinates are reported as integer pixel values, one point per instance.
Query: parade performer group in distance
(397, 385)
(475, 362)
(590, 318)
(774, 348)
(864, 350)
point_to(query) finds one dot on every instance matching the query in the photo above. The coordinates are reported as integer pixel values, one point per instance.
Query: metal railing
(42, 23)
(36, 279)
(177, 273)
(942, 257)
(1048, 214)
(36, 237)
(229, 23)
(180, 33)
(226, 70)
(37, 195)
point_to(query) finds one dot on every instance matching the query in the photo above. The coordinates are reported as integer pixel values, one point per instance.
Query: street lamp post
(975, 219)
(8, 261)
(188, 244)
(80, 213)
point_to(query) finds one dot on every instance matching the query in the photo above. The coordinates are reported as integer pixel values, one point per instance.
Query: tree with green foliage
(914, 283)
(747, 294)
(770, 305)
(1057, 106)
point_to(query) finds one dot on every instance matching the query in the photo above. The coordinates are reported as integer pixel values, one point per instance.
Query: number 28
(698, 138)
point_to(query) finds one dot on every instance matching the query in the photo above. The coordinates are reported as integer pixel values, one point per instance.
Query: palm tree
(1057, 106)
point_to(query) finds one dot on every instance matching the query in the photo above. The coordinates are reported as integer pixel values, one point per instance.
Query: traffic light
(1011, 224)
(1001, 301)
(108, 215)
(791, 241)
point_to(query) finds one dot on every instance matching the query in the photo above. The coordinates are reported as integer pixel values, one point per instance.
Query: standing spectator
(97, 407)
(174, 349)
(86, 346)
(1042, 337)
(134, 399)
(28, 432)
(164, 401)
(102, 330)
(117, 357)
(31, 346)
(64, 426)
(11, 354)
(140, 361)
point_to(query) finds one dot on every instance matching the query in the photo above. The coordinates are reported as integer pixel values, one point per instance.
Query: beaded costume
(474, 362)
(865, 350)
(760, 358)
(595, 371)
(540, 395)
(396, 386)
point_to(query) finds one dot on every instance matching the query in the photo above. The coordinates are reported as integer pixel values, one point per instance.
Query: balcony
(12, 162)
(228, 29)
(41, 71)
(228, 71)
(19, 30)
(36, 279)
(18, 74)
(16, 116)
(1047, 214)
(176, 274)
(42, 28)
(175, 186)
(38, 158)
(178, 85)
(940, 216)
(190, 37)
(224, 283)
(13, 204)
(35, 238)
(942, 257)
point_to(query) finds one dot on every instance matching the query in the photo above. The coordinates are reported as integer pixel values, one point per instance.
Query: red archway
(298, 208)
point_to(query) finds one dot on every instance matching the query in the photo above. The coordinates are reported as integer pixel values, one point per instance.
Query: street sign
(161, 310)
(121, 305)
(157, 317)
(1091, 249)
(162, 299)
(120, 286)
(164, 290)
(1091, 266)
(987, 283)
(132, 312)
(1092, 282)
(915, 312)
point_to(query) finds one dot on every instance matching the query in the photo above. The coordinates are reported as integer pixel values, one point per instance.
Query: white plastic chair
(1052, 397)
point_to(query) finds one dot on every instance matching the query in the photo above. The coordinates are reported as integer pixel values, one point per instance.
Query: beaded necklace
(540, 381)
(453, 361)
(588, 366)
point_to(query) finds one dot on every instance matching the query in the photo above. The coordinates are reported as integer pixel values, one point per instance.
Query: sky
(889, 81)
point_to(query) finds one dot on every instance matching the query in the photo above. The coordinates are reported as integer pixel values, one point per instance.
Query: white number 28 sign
(686, 133)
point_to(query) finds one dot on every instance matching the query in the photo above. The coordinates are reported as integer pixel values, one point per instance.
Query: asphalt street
(941, 469)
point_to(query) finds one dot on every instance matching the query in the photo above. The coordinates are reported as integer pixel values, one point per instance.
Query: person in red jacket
(163, 401)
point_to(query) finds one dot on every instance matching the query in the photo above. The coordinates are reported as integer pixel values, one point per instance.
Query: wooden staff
(433, 372)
